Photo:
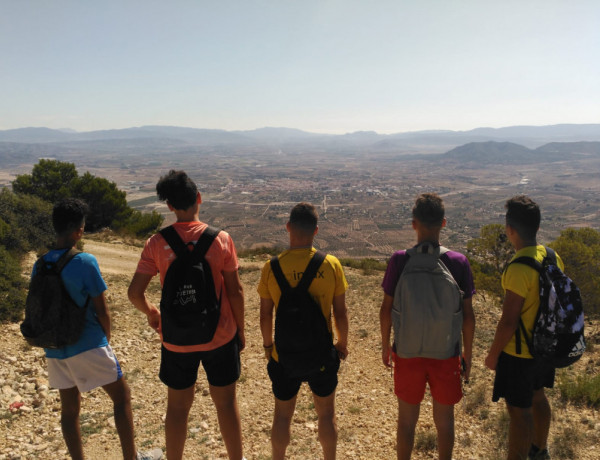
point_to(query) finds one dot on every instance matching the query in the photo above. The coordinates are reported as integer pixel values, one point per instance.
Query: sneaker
(154, 454)
(539, 455)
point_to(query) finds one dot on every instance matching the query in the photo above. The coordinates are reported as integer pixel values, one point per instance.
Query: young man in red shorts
(220, 356)
(412, 374)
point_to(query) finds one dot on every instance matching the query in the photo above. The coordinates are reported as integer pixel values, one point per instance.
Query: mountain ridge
(526, 135)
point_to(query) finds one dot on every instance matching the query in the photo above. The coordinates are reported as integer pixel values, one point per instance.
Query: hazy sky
(331, 66)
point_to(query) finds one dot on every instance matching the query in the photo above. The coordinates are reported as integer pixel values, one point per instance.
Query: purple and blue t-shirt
(456, 262)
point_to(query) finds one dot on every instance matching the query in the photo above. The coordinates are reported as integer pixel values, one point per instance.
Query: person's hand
(268, 351)
(386, 355)
(153, 316)
(465, 371)
(491, 362)
(342, 350)
(241, 340)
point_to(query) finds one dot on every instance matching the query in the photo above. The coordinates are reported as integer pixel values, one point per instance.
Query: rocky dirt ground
(366, 406)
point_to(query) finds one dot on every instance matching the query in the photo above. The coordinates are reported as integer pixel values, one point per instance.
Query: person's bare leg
(520, 432)
(121, 397)
(443, 417)
(70, 403)
(228, 415)
(542, 415)
(280, 432)
(328, 434)
(178, 409)
(408, 415)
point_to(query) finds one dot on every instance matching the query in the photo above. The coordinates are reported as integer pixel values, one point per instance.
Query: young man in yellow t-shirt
(520, 380)
(328, 290)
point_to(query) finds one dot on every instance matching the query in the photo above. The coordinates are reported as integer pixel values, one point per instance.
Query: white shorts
(88, 370)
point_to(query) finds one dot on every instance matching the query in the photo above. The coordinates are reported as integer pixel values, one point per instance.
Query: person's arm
(137, 296)
(385, 322)
(340, 314)
(468, 332)
(102, 313)
(508, 324)
(266, 325)
(235, 294)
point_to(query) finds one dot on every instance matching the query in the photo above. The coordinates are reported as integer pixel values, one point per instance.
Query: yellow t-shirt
(524, 281)
(327, 284)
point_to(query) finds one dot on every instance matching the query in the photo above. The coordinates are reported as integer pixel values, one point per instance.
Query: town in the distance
(363, 183)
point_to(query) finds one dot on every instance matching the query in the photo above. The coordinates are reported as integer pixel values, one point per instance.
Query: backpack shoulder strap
(174, 240)
(278, 273)
(551, 255)
(66, 258)
(206, 239)
(61, 263)
(529, 261)
(528, 340)
(311, 270)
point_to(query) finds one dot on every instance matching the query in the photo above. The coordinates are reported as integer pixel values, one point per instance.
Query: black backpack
(189, 306)
(52, 318)
(557, 337)
(303, 341)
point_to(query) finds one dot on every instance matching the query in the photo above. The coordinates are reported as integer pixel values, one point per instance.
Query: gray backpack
(427, 313)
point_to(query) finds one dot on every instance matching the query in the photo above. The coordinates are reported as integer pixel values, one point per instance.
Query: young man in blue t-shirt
(90, 362)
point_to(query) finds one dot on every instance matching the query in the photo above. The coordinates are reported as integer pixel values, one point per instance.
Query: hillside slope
(366, 406)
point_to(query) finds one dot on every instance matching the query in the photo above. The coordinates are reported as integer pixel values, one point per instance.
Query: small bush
(580, 389)
(261, 251)
(565, 443)
(139, 225)
(475, 399)
(25, 222)
(426, 441)
(368, 266)
(12, 288)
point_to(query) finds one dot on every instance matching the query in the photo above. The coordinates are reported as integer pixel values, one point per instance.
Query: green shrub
(25, 223)
(52, 180)
(107, 203)
(566, 442)
(579, 249)
(245, 253)
(139, 224)
(580, 389)
(368, 265)
(12, 288)
(488, 255)
(49, 180)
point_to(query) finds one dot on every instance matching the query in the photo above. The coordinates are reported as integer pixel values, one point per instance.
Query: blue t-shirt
(82, 278)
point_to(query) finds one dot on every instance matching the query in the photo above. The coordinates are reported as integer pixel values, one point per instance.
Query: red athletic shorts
(412, 374)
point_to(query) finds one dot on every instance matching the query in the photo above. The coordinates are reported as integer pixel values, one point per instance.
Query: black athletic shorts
(321, 383)
(180, 370)
(517, 379)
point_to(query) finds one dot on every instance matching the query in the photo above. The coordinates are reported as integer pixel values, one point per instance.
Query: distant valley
(364, 183)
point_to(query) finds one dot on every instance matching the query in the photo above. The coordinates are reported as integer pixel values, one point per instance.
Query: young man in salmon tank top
(220, 356)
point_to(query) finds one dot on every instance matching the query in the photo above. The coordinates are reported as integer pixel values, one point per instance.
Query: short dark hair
(304, 218)
(177, 189)
(429, 209)
(68, 215)
(523, 214)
